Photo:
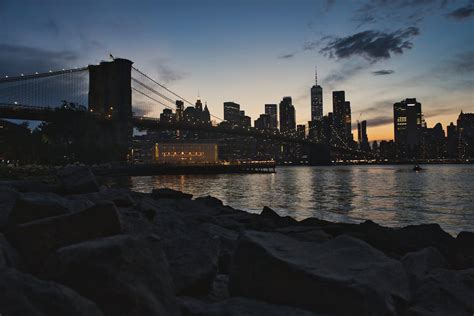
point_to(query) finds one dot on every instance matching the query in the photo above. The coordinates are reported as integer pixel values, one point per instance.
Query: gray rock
(170, 194)
(465, 250)
(32, 206)
(23, 294)
(344, 276)
(192, 253)
(36, 240)
(120, 197)
(237, 306)
(124, 275)
(8, 254)
(305, 233)
(445, 292)
(419, 263)
(227, 244)
(77, 179)
(8, 196)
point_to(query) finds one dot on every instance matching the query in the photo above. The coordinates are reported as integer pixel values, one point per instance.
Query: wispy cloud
(287, 56)
(16, 59)
(462, 13)
(168, 73)
(383, 72)
(372, 45)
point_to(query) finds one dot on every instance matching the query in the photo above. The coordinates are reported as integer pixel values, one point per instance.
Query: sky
(255, 52)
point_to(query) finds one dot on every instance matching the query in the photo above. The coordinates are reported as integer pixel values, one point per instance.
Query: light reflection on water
(388, 195)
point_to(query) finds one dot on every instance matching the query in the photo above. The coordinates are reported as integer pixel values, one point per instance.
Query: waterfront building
(465, 124)
(301, 130)
(408, 123)
(452, 141)
(179, 110)
(185, 153)
(232, 112)
(316, 100)
(338, 108)
(263, 122)
(362, 138)
(271, 111)
(287, 115)
(167, 116)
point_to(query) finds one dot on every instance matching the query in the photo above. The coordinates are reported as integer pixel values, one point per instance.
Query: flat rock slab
(36, 240)
(343, 276)
(32, 206)
(23, 294)
(238, 306)
(124, 275)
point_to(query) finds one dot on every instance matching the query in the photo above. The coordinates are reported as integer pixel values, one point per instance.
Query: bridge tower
(110, 95)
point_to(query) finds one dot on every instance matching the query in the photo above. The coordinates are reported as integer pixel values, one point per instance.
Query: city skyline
(195, 51)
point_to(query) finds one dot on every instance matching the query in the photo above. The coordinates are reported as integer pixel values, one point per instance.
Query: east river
(392, 195)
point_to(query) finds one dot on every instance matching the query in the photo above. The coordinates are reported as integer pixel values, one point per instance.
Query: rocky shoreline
(72, 247)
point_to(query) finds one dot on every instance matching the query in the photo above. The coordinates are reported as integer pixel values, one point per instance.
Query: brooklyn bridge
(122, 96)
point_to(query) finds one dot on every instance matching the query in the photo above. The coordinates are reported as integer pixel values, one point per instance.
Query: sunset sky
(257, 51)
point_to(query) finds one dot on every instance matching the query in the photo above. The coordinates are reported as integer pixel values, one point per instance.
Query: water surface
(389, 195)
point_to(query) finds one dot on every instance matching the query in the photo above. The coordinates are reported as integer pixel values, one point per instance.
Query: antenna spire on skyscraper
(315, 75)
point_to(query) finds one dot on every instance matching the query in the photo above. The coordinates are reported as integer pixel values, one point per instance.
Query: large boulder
(237, 306)
(124, 275)
(120, 197)
(465, 250)
(395, 242)
(8, 196)
(192, 253)
(170, 194)
(36, 240)
(77, 179)
(344, 276)
(445, 292)
(421, 262)
(23, 294)
(8, 254)
(33, 206)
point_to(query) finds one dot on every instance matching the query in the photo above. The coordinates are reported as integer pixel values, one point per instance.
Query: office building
(287, 115)
(316, 100)
(232, 112)
(408, 123)
(271, 111)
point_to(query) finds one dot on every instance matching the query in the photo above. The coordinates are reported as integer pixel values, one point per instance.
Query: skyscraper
(362, 138)
(408, 123)
(232, 112)
(271, 111)
(179, 110)
(342, 117)
(348, 123)
(287, 115)
(316, 100)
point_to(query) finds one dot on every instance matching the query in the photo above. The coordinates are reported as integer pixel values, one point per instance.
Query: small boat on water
(417, 168)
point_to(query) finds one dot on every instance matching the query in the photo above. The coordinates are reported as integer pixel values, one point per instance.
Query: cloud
(379, 120)
(287, 56)
(51, 26)
(372, 45)
(345, 72)
(169, 74)
(383, 72)
(17, 59)
(402, 11)
(462, 13)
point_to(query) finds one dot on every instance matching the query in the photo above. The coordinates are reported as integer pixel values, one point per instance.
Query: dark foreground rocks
(80, 249)
(280, 269)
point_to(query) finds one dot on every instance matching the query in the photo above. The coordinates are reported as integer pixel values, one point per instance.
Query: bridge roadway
(25, 112)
